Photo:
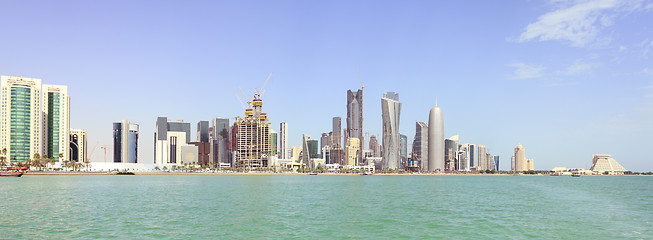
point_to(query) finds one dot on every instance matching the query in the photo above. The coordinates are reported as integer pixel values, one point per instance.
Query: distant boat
(575, 174)
(312, 173)
(124, 173)
(13, 171)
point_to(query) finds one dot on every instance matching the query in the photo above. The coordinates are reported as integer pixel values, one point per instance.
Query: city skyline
(563, 93)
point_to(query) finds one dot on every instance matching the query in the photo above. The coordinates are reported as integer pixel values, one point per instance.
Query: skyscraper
(336, 154)
(78, 145)
(125, 142)
(420, 144)
(253, 147)
(324, 141)
(56, 121)
(355, 119)
(520, 159)
(451, 153)
(20, 119)
(374, 147)
(482, 158)
(273, 141)
(220, 141)
(203, 131)
(436, 139)
(169, 138)
(496, 163)
(391, 113)
(284, 149)
(403, 150)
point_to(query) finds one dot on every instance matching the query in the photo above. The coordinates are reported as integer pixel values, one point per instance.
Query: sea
(326, 207)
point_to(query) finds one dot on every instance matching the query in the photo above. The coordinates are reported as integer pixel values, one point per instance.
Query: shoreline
(280, 174)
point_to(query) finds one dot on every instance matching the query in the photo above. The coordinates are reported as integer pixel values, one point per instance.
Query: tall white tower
(436, 139)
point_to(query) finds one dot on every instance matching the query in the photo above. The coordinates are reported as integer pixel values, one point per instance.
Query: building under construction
(253, 145)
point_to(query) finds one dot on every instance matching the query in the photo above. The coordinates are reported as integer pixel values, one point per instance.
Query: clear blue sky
(567, 79)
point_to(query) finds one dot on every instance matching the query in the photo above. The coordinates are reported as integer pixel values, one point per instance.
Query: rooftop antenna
(436, 101)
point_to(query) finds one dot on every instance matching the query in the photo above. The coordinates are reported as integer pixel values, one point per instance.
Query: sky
(566, 79)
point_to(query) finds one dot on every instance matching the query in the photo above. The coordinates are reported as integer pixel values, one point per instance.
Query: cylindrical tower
(436, 139)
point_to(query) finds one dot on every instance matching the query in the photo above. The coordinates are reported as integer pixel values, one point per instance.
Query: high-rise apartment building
(125, 142)
(355, 119)
(169, 138)
(284, 149)
(56, 121)
(436, 139)
(78, 145)
(21, 118)
(391, 113)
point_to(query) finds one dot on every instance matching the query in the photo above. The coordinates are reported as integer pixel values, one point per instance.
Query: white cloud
(578, 22)
(527, 71)
(578, 67)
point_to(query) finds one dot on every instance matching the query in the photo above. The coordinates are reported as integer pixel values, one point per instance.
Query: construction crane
(92, 151)
(260, 92)
(105, 147)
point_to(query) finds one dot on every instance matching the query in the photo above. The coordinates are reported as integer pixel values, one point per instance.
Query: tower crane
(92, 151)
(105, 147)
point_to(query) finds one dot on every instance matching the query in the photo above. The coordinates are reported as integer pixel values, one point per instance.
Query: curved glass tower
(391, 111)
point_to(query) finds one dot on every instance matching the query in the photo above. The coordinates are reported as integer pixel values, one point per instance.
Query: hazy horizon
(566, 79)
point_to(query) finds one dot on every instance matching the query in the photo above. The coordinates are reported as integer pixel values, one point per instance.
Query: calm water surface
(371, 207)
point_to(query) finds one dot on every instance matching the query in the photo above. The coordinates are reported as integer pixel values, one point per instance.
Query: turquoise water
(371, 207)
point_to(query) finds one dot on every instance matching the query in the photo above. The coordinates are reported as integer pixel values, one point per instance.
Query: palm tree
(3, 159)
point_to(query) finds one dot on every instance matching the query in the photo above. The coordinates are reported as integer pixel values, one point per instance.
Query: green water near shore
(370, 207)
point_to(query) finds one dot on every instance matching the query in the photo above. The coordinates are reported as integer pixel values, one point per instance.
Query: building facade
(203, 131)
(436, 139)
(56, 121)
(253, 146)
(520, 159)
(125, 142)
(169, 138)
(391, 113)
(355, 118)
(284, 149)
(420, 144)
(78, 145)
(21, 118)
(351, 151)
